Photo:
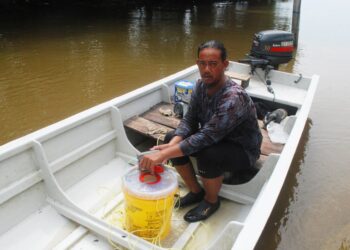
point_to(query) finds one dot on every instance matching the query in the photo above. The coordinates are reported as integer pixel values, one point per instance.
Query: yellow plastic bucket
(149, 205)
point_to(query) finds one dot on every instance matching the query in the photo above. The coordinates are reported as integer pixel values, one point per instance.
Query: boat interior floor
(100, 194)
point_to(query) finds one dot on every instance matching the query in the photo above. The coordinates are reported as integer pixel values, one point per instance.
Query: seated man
(220, 129)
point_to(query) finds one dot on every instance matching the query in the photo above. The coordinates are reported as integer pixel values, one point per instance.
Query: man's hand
(150, 160)
(166, 152)
(161, 147)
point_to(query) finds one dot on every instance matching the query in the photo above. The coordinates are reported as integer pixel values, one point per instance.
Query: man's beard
(212, 85)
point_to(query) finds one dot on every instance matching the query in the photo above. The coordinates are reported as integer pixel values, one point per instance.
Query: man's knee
(207, 154)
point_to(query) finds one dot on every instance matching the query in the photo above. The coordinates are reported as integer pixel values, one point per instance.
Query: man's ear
(226, 63)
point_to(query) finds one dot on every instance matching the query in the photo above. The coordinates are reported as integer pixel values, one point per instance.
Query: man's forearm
(172, 151)
(166, 152)
(175, 140)
(150, 160)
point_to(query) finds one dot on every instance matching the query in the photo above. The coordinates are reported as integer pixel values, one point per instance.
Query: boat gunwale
(266, 200)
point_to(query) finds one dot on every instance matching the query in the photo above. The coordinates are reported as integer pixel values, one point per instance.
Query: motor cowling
(275, 46)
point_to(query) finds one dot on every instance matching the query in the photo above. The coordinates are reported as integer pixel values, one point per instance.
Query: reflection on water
(283, 15)
(56, 63)
(187, 22)
(135, 33)
(287, 197)
(94, 68)
(240, 13)
(220, 12)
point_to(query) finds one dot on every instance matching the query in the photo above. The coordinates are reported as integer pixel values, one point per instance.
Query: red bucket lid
(158, 169)
(150, 179)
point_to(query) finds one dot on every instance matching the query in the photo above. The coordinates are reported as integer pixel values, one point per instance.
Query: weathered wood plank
(146, 127)
(156, 116)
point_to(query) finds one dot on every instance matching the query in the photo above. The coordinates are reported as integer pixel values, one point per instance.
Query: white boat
(59, 184)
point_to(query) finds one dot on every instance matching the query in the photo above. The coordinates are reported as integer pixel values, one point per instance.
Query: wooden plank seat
(155, 125)
(148, 128)
(155, 115)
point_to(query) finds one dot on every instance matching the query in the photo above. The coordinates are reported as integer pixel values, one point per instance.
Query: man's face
(211, 67)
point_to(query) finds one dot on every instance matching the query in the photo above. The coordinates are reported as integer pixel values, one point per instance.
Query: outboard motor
(271, 47)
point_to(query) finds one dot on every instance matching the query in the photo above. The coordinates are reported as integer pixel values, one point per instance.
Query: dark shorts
(223, 158)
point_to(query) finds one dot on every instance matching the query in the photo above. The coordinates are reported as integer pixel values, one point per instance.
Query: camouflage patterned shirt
(228, 115)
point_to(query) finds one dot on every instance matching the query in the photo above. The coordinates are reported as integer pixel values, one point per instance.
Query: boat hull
(59, 185)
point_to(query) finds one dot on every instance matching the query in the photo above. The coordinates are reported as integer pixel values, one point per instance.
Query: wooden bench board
(154, 115)
(147, 127)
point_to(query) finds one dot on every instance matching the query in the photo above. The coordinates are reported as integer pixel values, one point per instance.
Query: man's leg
(196, 193)
(184, 167)
(211, 201)
(188, 175)
(212, 188)
(212, 184)
(212, 162)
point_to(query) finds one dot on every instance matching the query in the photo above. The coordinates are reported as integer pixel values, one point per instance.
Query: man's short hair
(214, 44)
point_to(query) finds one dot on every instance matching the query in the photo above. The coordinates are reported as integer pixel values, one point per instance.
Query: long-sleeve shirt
(228, 115)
